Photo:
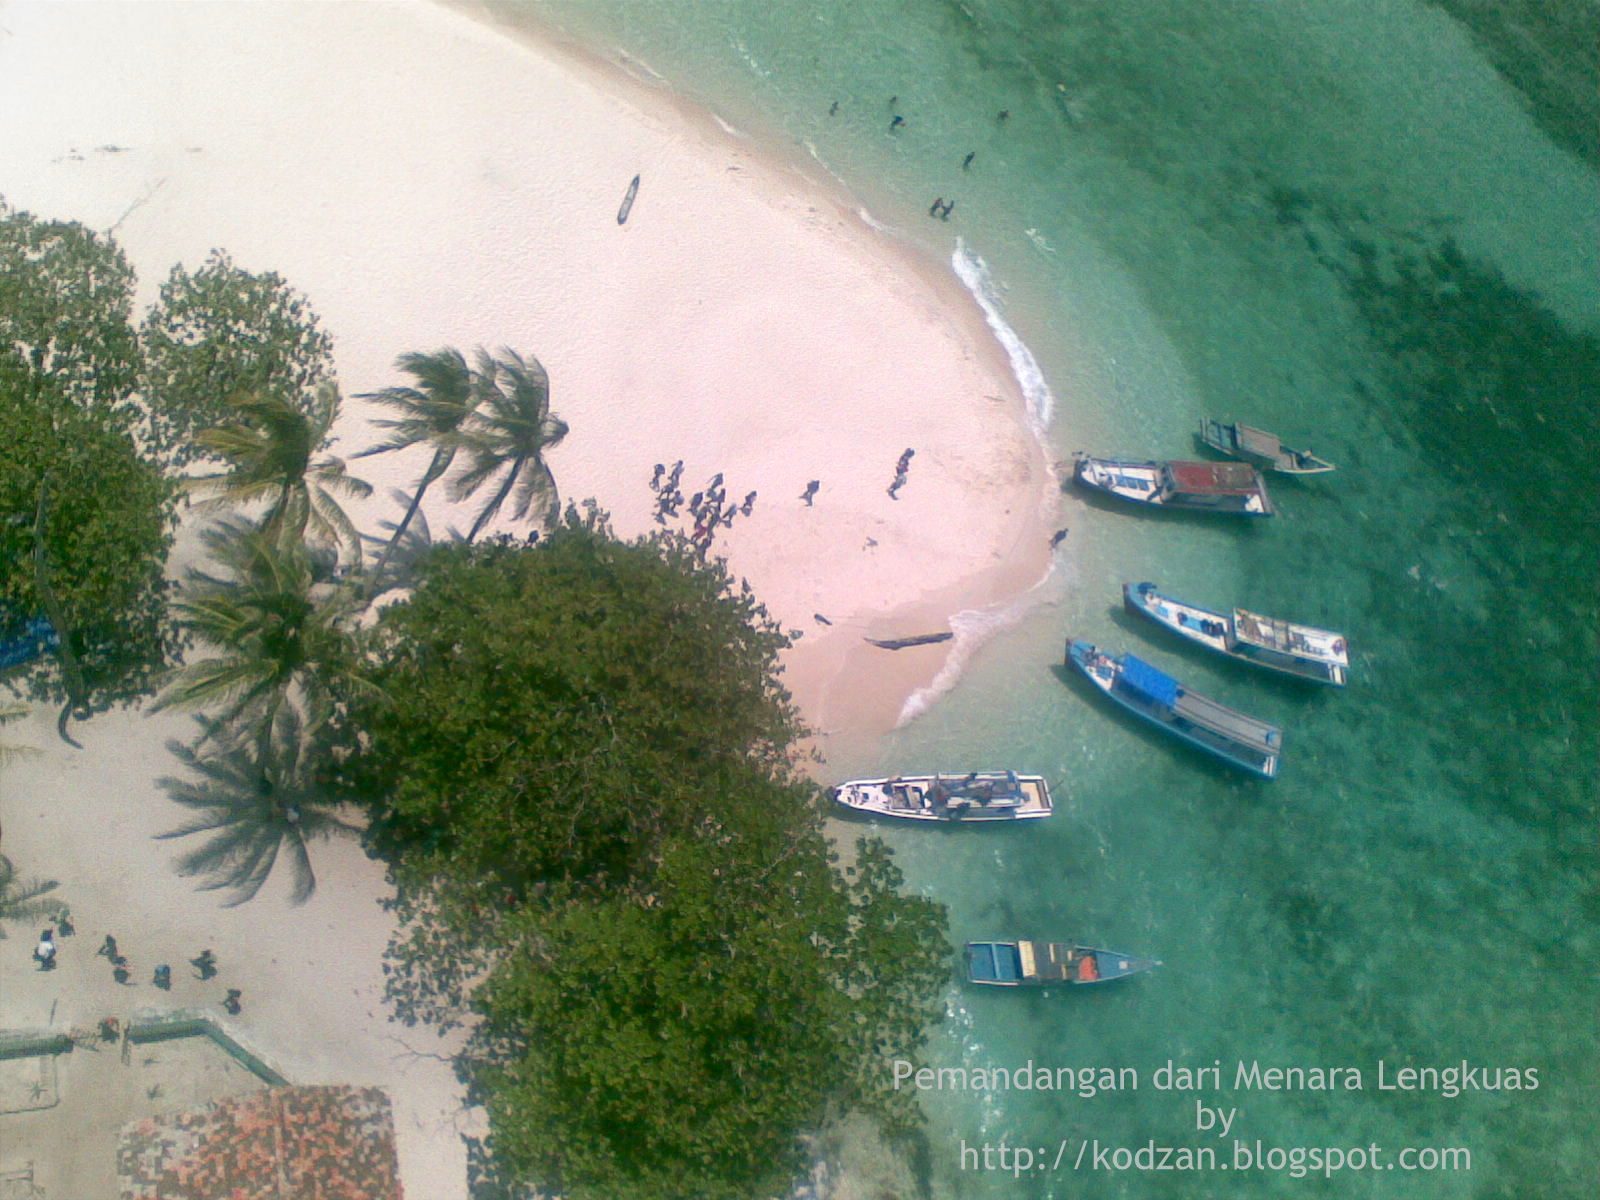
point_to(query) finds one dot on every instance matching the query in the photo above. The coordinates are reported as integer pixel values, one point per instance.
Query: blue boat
(1245, 742)
(1041, 964)
(36, 637)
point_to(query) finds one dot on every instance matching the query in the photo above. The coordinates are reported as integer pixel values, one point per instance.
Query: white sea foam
(973, 628)
(974, 273)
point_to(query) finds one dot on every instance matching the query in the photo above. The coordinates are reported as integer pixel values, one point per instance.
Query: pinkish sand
(427, 181)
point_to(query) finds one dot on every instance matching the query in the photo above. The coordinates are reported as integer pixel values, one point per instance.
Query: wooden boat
(1200, 486)
(1260, 448)
(1040, 964)
(1303, 651)
(627, 201)
(980, 796)
(1243, 741)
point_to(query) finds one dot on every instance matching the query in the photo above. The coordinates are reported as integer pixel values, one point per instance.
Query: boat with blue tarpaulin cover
(1242, 741)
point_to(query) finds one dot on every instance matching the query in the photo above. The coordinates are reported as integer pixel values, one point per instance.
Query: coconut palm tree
(272, 450)
(23, 899)
(256, 808)
(508, 435)
(431, 413)
(409, 552)
(280, 628)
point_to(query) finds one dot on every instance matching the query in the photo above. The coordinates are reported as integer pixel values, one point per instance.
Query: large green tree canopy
(66, 301)
(90, 417)
(219, 334)
(104, 517)
(85, 517)
(608, 868)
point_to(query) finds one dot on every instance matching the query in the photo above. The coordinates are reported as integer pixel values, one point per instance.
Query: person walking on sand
(45, 952)
(163, 978)
(206, 964)
(749, 504)
(108, 948)
(811, 491)
(231, 1001)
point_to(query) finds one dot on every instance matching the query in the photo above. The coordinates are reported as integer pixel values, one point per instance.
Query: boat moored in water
(1041, 964)
(1195, 486)
(1260, 448)
(1242, 741)
(1303, 651)
(977, 797)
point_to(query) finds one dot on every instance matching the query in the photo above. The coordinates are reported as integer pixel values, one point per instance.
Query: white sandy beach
(426, 181)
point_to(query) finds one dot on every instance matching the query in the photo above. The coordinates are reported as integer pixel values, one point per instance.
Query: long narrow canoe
(1320, 655)
(627, 201)
(1242, 741)
(1260, 448)
(1041, 964)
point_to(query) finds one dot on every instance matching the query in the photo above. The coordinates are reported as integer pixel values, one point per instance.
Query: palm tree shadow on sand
(256, 804)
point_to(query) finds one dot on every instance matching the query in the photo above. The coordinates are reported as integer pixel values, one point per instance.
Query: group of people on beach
(710, 507)
(205, 963)
(901, 470)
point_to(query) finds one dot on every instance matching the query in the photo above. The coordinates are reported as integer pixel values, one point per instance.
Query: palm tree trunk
(435, 469)
(492, 508)
(72, 673)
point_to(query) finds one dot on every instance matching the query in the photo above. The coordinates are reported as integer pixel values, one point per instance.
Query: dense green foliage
(218, 334)
(102, 516)
(581, 777)
(90, 413)
(66, 303)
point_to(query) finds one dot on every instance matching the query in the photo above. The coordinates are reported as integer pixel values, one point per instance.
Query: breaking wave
(974, 273)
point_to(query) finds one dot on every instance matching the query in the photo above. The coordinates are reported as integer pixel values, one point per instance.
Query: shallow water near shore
(1338, 223)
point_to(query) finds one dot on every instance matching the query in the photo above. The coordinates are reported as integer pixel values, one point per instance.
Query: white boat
(1304, 651)
(979, 796)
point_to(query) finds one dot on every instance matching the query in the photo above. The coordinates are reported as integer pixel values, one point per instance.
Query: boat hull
(981, 797)
(1232, 489)
(1322, 657)
(1237, 739)
(1260, 449)
(1034, 964)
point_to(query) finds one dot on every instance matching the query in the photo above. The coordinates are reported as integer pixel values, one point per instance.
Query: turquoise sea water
(1333, 220)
